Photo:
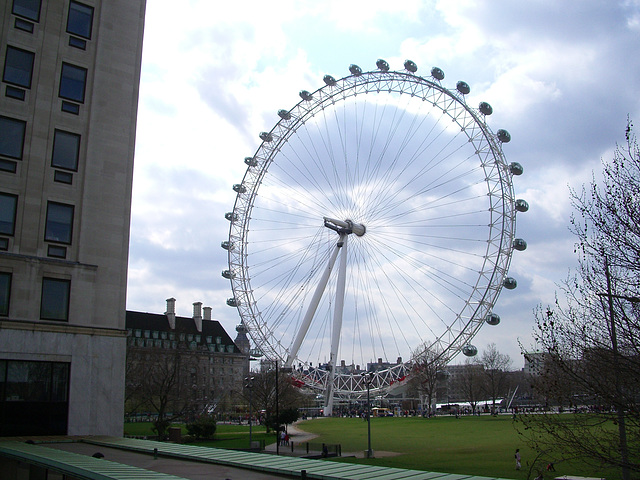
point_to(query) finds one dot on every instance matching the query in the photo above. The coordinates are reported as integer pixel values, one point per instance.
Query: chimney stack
(207, 313)
(197, 315)
(171, 312)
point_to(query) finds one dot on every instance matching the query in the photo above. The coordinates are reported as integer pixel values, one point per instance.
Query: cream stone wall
(93, 340)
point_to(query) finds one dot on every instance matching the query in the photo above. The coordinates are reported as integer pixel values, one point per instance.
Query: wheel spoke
(417, 175)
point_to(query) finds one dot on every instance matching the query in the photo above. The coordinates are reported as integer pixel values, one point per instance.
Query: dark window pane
(70, 107)
(72, 82)
(18, 65)
(8, 204)
(77, 43)
(5, 293)
(59, 382)
(63, 177)
(24, 25)
(59, 223)
(11, 137)
(27, 8)
(14, 92)
(55, 299)
(57, 251)
(80, 19)
(66, 146)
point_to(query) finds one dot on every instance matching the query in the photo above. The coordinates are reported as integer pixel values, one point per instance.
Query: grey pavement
(180, 468)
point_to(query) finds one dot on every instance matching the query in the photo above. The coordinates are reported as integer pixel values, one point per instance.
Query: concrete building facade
(68, 106)
(210, 367)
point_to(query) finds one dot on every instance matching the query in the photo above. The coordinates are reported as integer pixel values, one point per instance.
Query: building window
(18, 67)
(8, 205)
(80, 19)
(59, 227)
(72, 82)
(27, 8)
(5, 293)
(66, 150)
(33, 397)
(12, 137)
(55, 299)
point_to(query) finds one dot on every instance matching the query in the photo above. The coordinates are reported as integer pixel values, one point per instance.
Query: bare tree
(590, 337)
(160, 384)
(495, 371)
(264, 395)
(427, 369)
(471, 383)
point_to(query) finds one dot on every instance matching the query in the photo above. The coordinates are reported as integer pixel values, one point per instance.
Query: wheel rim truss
(499, 243)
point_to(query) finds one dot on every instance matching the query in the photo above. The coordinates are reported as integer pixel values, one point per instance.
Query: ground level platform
(117, 458)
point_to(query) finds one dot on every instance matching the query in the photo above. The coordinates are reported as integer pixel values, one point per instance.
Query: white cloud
(561, 76)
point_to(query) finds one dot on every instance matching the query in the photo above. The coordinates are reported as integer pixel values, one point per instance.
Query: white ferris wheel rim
(481, 297)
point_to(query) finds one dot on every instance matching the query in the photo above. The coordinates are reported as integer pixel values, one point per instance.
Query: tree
(159, 383)
(264, 396)
(590, 337)
(495, 371)
(427, 368)
(471, 383)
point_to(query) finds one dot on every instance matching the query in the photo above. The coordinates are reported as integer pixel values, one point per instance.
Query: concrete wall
(93, 339)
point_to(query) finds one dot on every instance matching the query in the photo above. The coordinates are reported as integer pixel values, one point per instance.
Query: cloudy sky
(562, 76)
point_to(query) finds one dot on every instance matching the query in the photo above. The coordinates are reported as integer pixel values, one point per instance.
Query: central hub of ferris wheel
(345, 227)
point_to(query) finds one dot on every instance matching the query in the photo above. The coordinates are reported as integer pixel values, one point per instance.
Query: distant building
(534, 362)
(214, 368)
(68, 107)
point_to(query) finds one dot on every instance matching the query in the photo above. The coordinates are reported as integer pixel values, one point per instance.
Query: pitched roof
(159, 322)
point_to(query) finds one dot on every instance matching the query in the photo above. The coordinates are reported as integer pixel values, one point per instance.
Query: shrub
(204, 428)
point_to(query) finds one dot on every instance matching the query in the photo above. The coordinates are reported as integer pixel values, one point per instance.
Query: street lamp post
(367, 379)
(277, 413)
(249, 386)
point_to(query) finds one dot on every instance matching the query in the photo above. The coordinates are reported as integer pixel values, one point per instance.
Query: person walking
(518, 464)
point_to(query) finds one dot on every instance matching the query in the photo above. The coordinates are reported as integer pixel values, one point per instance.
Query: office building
(68, 105)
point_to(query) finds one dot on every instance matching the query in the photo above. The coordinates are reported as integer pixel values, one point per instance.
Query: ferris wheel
(374, 223)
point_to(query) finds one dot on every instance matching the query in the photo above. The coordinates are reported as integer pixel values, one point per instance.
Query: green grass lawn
(468, 445)
(227, 436)
(482, 446)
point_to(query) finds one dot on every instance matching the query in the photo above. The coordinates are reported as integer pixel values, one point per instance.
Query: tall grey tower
(68, 106)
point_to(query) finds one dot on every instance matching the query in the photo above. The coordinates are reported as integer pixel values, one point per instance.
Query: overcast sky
(562, 76)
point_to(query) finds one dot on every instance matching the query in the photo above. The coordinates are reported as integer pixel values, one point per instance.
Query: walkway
(75, 458)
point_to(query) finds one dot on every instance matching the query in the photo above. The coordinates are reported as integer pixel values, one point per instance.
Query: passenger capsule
(470, 350)
(485, 108)
(232, 302)
(522, 205)
(515, 168)
(266, 137)
(355, 70)
(382, 65)
(252, 162)
(437, 73)
(463, 87)
(239, 188)
(504, 136)
(232, 217)
(493, 319)
(329, 80)
(510, 283)
(410, 66)
(306, 96)
(228, 274)
(227, 245)
(519, 244)
(284, 114)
